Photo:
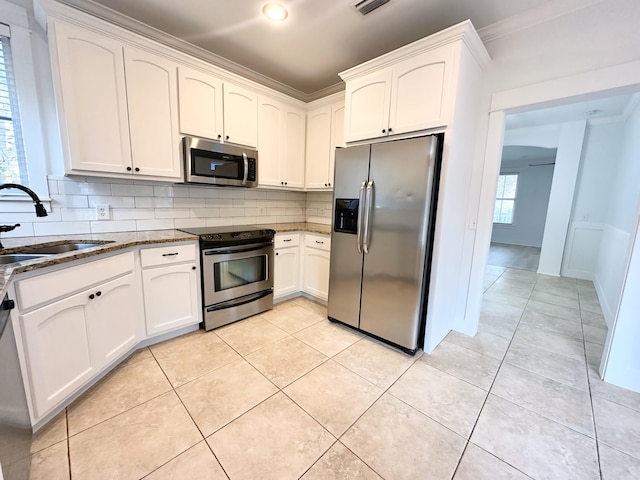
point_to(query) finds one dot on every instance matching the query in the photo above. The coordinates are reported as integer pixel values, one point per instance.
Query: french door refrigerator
(384, 202)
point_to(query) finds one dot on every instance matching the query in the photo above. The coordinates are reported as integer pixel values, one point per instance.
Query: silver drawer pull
(318, 241)
(287, 239)
(170, 254)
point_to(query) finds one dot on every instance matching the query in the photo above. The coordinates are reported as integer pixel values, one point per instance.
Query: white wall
(561, 196)
(622, 355)
(534, 186)
(593, 191)
(602, 35)
(619, 224)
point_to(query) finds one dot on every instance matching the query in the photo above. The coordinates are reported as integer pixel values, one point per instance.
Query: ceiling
(517, 156)
(318, 39)
(610, 108)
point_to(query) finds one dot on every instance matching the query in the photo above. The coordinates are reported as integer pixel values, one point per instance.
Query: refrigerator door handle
(361, 210)
(367, 218)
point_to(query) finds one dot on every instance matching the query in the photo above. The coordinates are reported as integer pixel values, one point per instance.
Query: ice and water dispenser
(346, 215)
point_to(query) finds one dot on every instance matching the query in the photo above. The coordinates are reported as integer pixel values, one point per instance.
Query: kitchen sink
(13, 258)
(61, 248)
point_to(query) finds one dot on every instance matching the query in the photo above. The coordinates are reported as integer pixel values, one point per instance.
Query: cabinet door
(337, 136)
(318, 147)
(420, 94)
(367, 106)
(170, 297)
(200, 99)
(270, 114)
(240, 116)
(58, 353)
(152, 97)
(293, 147)
(91, 100)
(316, 273)
(113, 319)
(286, 276)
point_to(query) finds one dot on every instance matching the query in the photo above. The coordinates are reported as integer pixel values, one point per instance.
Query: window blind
(13, 163)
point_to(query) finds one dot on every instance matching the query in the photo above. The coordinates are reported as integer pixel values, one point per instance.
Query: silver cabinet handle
(367, 218)
(360, 214)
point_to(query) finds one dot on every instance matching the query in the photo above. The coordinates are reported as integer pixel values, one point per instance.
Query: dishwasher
(15, 425)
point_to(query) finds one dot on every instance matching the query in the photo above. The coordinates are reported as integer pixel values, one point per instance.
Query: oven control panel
(236, 238)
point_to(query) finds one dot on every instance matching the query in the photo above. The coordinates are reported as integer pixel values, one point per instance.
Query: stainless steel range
(237, 272)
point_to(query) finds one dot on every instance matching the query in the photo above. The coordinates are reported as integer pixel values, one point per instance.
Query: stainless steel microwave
(216, 163)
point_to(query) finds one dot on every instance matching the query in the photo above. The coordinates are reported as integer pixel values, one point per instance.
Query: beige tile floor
(288, 395)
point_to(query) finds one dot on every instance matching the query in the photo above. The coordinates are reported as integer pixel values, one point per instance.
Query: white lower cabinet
(170, 280)
(316, 265)
(70, 339)
(286, 265)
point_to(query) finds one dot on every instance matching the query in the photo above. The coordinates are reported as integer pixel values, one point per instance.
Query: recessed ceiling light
(275, 12)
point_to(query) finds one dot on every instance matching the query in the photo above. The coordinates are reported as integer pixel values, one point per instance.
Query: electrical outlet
(102, 212)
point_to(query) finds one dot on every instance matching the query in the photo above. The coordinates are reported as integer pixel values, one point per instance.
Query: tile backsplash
(140, 206)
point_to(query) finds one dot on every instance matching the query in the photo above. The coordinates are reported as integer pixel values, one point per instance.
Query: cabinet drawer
(44, 288)
(321, 242)
(287, 240)
(151, 257)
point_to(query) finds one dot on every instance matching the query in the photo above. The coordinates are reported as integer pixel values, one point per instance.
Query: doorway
(520, 100)
(522, 199)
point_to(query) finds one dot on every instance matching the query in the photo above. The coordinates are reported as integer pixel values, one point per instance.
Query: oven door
(232, 272)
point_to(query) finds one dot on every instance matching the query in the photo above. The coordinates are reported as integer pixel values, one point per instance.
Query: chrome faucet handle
(8, 228)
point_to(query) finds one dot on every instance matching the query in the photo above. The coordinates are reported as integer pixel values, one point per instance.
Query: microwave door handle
(246, 168)
(361, 210)
(367, 218)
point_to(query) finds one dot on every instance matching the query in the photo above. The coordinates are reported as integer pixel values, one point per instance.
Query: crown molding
(135, 26)
(535, 16)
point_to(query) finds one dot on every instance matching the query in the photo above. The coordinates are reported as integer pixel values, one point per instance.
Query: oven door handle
(226, 251)
(246, 168)
(238, 302)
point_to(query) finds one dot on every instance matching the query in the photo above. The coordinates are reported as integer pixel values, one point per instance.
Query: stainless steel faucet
(40, 210)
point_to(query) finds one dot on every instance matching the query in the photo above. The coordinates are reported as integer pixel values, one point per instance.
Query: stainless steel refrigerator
(384, 202)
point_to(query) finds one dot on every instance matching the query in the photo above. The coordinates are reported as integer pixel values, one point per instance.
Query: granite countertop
(117, 241)
(299, 227)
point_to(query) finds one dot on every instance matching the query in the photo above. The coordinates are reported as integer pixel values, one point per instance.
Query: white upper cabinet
(200, 104)
(92, 100)
(325, 132)
(281, 144)
(217, 110)
(420, 93)
(411, 90)
(294, 144)
(152, 97)
(240, 115)
(118, 106)
(367, 106)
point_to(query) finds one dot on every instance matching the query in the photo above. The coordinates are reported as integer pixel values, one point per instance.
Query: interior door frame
(616, 80)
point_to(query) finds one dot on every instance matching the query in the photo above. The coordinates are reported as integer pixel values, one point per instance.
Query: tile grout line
(593, 413)
(484, 403)
(173, 388)
(66, 417)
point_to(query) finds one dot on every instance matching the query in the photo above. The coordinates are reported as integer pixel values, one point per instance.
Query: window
(13, 164)
(505, 199)
(23, 156)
